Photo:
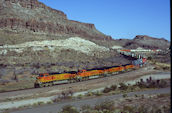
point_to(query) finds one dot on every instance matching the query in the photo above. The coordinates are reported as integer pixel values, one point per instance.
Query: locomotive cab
(41, 79)
(42, 76)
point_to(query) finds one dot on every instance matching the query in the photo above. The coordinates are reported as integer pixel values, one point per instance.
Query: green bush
(80, 96)
(89, 94)
(167, 109)
(98, 93)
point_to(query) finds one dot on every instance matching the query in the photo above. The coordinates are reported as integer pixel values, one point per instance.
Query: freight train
(49, 79)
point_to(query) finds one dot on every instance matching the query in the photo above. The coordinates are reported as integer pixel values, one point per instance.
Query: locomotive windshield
(41, 75)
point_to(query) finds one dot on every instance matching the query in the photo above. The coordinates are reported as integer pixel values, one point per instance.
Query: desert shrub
(141, 85)
(56, 99)
(136, 95)
(106, 105)
(124, 95)
(70, 92)
(162, 84)
(113, 87)
(66, 95)
(129, 109)
(129, 100)
(166, 68)
(91, 111)
(159, 110)
(132, 88)
(167, 109)
(40, 103)
(163, 109)
(142, 109)
(80, 96)
(98, 93)
(50, 102)
(89, 94)
(35, 104)
(69, 109)
(86, 107)
(106, 90)
(149, 58)
(142, 96)
(123, 86)
(152, 85)
(162, 95)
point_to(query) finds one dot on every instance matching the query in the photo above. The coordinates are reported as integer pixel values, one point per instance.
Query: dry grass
(12, 86)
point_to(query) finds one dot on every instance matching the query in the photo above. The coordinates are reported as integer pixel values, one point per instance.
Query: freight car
(49, 79)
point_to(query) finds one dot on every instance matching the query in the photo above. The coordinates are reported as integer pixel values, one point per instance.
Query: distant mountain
(144, 41)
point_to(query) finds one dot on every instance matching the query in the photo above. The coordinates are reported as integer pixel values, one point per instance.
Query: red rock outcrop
(33, 16)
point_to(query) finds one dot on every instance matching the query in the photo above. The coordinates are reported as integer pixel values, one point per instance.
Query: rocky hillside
(31, 16)
(70, 54)
(144, 41)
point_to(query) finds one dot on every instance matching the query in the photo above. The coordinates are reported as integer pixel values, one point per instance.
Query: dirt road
(54, 108)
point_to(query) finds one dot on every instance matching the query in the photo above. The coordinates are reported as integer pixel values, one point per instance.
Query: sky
(119, 18)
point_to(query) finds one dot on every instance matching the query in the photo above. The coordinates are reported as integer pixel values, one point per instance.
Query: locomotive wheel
(47, 84)
(44, 85)
(71, 81)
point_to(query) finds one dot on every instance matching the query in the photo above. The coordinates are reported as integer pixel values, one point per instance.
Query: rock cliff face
(35, 17)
